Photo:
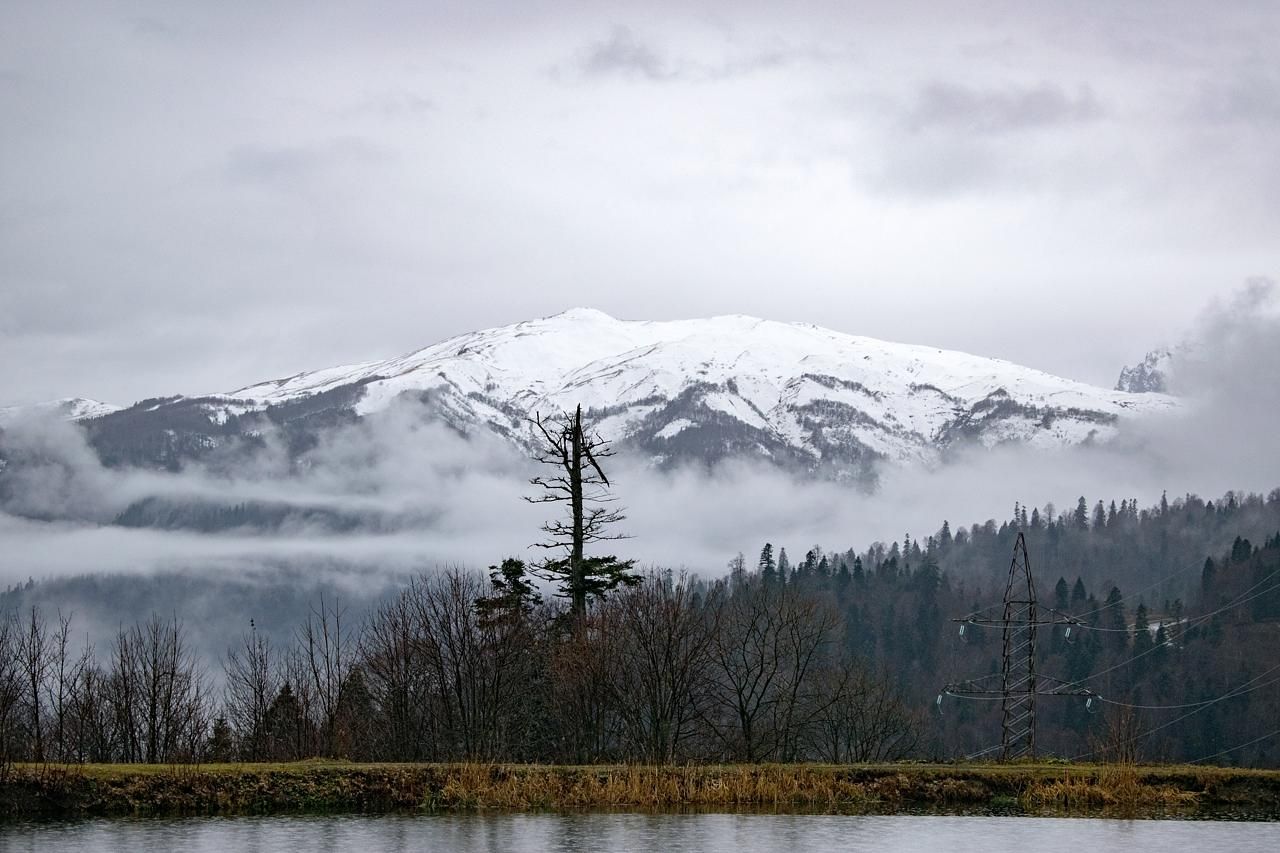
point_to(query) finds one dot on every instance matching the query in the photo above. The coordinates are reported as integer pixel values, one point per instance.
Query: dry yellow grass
(1109, 786)
(336, 786)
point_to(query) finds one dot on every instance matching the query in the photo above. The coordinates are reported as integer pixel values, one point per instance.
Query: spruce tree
(1207, 575)
(1061, 595)
(765, 565)
(1081, 517)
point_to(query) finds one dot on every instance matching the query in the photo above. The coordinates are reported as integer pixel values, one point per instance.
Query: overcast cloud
(197, 196)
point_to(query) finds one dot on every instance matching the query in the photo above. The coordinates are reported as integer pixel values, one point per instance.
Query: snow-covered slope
(71, 409)
(691, 390)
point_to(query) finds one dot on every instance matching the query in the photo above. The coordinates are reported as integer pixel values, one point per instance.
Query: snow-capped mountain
(691, 390)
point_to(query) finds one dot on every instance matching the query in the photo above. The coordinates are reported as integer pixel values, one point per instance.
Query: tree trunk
(578, 579)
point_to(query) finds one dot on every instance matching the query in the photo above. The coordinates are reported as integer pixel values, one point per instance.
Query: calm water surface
(668, 833)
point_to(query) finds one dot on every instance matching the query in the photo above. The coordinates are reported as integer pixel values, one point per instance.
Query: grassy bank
(28, 791)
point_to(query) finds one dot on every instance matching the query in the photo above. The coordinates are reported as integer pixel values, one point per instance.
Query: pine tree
(513, 595)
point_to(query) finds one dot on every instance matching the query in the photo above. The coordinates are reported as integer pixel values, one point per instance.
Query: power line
(1237, 746)
(1230, 694)
(1018, 688)
(1075, 620)
(1191, 623)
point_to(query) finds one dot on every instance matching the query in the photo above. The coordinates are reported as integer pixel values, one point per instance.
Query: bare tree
(10, 689)
(392, 654)
(748, 669)
(252, 682)
(865, 718)
(328, 652)
(159, 694)
(769, 647)
(34, 659)
(579, 480)
(807, 631)
(664, 633)
(582, 701)
(65, 673)
(92, 720)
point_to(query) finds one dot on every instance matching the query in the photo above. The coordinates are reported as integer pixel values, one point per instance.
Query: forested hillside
(1178, 604)
(1174, 635)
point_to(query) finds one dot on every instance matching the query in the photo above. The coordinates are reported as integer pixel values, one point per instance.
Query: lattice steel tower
(1018, 669)
(1019, 684)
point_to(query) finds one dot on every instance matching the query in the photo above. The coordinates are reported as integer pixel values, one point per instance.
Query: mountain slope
(71, 409)
(683, 391)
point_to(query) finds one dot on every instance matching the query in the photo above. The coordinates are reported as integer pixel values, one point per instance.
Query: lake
(669, 833)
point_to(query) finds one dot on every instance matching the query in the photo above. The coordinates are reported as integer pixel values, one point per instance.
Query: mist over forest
(397, 492)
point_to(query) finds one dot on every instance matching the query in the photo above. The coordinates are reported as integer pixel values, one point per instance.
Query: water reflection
(668, 833)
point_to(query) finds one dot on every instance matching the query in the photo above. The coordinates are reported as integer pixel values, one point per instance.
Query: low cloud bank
(455, 500)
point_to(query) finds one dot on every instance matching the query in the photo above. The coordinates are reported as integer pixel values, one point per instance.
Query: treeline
(835, 656)
(460, 667)
(1179, 613)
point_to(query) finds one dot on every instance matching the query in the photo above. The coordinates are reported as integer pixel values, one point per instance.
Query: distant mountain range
(690, 391)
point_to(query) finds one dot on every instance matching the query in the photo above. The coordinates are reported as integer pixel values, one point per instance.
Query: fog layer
(440, 498)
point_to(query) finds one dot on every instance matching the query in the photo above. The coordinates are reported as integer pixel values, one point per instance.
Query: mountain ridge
(703, 390)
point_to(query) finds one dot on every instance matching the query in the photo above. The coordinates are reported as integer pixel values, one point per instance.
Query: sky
(198, 196)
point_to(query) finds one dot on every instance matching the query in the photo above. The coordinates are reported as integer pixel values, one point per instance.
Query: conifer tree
(1141, 631)
(1079, 596)
(1061, 595)
(766, 564)
(1207, 574)
(575, 452)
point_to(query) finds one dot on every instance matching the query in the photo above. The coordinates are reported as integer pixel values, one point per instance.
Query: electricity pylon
(1018, 685)
(1018, 669)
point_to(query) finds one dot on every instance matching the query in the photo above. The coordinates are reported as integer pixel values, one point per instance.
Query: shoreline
(54, 791)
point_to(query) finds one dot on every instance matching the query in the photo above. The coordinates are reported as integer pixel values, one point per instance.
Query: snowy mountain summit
(70, 408)
(697, 391)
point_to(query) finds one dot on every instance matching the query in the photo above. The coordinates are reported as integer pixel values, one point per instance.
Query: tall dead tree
(579, 480)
